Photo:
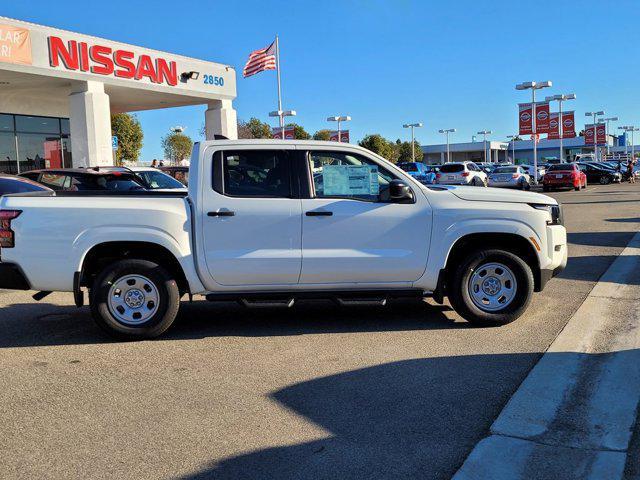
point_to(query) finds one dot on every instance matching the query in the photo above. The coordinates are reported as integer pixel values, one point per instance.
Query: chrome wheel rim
(133, 299)
(492, 287)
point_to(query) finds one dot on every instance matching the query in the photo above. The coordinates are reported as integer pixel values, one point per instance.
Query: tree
(129, 132)
(257, 128)
(299, 133)
(177, 146)
(404, 152)
(380, 145)
(322, 135)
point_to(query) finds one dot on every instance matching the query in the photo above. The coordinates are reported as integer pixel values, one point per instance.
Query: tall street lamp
(513, 147)
(447, 131)
(560, 99)
(595, 115)
(606, 129)
(485, 133)
(413, 143)
(339, 119)
(281, 114)
(630, 128)
(533, 86)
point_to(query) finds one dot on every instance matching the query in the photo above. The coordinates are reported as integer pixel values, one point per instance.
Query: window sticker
(350, 180)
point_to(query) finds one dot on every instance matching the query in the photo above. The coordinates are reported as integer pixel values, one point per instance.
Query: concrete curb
(574, 414)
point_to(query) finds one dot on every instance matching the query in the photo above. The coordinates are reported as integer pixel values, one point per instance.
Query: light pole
(447, 131)
(560, 99)
(631, 128)
(595, 130)
(281, 114)
(412, 126)
(513, 147)
(485, 133)
(534, 86)
(341, 118)
(606, 129)
(626, 144)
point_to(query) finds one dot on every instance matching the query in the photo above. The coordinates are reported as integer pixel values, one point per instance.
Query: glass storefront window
(37, 151)
(6, 123)
(37, 124)
(8, 152)
(65, 127)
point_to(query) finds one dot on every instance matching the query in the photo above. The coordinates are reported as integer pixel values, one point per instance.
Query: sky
(446, 64)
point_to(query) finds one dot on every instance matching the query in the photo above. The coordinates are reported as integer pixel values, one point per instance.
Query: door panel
(251, 234)
(362, 238)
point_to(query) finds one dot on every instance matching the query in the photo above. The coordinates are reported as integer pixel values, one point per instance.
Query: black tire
(460, 297)
(168, 303)
(475, 182)
(577, 189)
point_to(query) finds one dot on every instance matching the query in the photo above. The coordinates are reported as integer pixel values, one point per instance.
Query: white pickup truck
(268, 222)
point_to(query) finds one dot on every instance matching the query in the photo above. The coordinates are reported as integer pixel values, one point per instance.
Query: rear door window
(256, 173)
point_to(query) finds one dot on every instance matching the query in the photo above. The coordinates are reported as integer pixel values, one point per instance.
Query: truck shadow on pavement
(43, 324)
(415, 418)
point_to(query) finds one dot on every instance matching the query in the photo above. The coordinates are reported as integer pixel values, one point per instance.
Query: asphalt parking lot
(312, 392)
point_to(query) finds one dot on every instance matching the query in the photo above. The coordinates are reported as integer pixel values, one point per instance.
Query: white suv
(462, 173)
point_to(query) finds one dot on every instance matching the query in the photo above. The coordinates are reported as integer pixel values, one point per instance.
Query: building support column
(90, 121)
(443, 159)
(220, 119)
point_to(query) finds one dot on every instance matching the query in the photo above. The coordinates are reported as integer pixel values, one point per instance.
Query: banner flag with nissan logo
(344, 136)
(289, 133)
(568, 124)
(524, 118)
(589, 134)
(542, 118)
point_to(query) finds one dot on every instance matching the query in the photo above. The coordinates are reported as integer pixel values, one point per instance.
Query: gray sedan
(510, 177)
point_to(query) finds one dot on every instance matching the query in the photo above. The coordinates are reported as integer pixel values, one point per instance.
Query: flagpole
(279, 89)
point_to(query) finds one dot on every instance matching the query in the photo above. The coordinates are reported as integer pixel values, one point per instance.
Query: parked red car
(564, 175)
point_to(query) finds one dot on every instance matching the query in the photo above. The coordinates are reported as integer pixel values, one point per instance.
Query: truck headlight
(555, 212)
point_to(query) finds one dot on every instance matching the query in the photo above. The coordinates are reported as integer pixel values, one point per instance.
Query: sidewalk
(574, 415)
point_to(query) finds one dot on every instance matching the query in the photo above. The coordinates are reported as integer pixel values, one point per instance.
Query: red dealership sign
(344, 136)
(599, 133)
(568, 125)
(289, 133)
(104, 60)
(525, 118)
(554, 126)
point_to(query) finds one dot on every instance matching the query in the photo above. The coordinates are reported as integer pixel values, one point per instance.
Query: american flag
(261, 60)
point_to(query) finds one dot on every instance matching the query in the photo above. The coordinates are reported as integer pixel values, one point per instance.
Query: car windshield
(408, 167)
(155, 180)
(506, 170)
(561, 166)
(452, 168)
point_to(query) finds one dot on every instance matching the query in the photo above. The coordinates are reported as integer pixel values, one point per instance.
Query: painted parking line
(573, 415)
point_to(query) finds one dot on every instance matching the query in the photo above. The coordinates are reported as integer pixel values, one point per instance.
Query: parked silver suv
(461, 173)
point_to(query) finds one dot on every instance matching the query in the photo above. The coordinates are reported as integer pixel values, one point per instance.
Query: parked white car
(462, 173)
(510, 177)
(529, 170)
(269, 222)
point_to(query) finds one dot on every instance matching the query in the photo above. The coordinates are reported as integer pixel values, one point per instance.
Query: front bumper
(12, 278)
(557, 253)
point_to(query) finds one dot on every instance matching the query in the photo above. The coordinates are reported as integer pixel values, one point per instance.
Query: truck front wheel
(134, 299)
(491, 287)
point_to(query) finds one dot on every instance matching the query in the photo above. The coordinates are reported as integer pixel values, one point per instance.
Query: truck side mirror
(399, 190)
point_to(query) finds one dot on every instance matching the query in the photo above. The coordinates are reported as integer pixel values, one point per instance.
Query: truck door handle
(221, 213)
(319, 213)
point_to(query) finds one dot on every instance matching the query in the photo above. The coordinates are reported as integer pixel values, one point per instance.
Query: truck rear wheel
(134, 299)
(491, 287)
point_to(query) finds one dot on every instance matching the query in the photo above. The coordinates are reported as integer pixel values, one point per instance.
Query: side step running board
(342, 298)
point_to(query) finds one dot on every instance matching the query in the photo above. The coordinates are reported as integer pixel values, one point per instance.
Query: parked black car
(599, 173)
(12, 184)
(80, 179)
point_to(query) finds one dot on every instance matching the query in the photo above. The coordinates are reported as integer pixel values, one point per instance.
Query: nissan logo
(568, 123)
(542, 115)
(553, 123)
(525, 116)
(589, 133)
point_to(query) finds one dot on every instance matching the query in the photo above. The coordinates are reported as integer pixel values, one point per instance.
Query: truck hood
(488, 194)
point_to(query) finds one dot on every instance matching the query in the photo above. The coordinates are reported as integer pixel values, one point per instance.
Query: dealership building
(58, 90)
(521, 150)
